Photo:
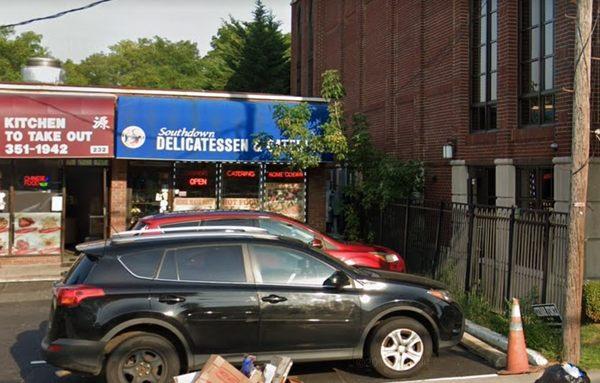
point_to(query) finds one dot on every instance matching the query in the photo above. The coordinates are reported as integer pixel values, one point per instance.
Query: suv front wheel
(400, 347)
(145, 358)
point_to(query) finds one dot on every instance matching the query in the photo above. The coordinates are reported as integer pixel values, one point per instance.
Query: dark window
(143, 263)
(80, 270)
(195, 186)
(482, 180)
(280, 265)
(147, 186)
(535, 188)
(220, 263)
(485, 65)
(286, 230)
(168, 269)
(229, 222)
(241, 187)
(537, 63)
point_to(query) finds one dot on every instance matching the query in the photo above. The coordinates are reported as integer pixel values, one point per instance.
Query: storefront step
(30, 272)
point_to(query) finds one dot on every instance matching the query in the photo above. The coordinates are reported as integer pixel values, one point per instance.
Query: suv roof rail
(187, 229)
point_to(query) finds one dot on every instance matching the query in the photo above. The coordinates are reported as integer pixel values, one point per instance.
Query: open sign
(198, 181)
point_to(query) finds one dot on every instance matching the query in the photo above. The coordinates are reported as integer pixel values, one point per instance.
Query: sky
(80, 34)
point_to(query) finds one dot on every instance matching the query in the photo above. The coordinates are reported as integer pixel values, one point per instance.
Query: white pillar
(505, 182)
(460, 176)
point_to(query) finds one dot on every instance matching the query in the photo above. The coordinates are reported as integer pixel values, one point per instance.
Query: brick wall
(118, 196)
(406, 65)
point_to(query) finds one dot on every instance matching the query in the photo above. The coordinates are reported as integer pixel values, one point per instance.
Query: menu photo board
(37, 233)
(50, 126)
(183, 204)
(4, 233)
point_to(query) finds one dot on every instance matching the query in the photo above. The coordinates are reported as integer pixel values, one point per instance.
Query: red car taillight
(72, 296)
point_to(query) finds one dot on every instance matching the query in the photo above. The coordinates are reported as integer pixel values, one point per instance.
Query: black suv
(144, 308)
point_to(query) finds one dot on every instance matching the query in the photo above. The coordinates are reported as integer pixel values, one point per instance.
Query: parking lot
(24, 313)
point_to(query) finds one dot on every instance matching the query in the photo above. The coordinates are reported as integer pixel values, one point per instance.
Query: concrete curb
(494, 357)
(501, 342)
(29, 279)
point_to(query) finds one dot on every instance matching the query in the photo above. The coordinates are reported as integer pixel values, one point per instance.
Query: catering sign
(43, 126)
(197, 129)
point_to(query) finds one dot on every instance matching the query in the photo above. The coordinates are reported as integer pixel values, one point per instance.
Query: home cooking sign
(197, 129)
(48, 126)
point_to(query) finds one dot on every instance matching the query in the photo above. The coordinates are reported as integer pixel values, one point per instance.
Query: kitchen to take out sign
(47, 126)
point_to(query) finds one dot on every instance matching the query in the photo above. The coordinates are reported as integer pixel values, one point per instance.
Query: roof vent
(45, 70)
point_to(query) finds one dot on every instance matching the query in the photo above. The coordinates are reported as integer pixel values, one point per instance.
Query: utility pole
(580, 152)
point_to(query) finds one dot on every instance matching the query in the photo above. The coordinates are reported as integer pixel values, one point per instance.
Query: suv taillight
(72, 296)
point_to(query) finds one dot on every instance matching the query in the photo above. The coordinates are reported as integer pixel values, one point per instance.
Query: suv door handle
(274, 299)
(170, 299)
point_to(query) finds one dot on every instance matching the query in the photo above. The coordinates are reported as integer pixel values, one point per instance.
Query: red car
(355, 254)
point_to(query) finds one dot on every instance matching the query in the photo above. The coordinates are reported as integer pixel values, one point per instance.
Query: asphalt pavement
(24, 309)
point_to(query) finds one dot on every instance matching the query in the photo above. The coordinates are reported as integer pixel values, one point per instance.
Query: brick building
(490, 78)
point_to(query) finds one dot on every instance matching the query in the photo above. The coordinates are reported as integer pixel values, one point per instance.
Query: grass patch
(590, 346)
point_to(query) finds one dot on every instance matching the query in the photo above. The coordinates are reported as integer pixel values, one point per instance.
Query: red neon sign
(198, 181)
(35, 181)
(241, 173)
(287, 174)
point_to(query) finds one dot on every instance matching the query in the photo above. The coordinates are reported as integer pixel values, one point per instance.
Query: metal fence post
(546, 255)
(438, 239)
(511, 233)
(469, 247)
(406, 217)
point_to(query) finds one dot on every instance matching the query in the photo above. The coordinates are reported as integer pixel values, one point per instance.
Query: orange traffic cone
(516, 358)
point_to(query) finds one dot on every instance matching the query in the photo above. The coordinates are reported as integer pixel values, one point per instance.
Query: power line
(54, 16)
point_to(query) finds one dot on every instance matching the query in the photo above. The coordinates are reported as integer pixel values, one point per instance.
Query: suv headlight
(441, 294)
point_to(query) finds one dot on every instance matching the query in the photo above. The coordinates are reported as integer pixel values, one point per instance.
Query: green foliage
(379, 180)
(221, 62)
(591, 301)
(15, 50)
(293, 122)
(590, 346)
(264, 65)
(152, 63)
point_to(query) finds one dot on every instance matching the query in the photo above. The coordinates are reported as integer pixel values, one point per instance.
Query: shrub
(591, 301)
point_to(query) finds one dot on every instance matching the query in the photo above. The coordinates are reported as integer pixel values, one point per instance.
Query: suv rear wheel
(146, 358)
(400, 347)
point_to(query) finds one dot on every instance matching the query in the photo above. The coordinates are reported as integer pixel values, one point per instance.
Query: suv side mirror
(316, 242)
(337, 280)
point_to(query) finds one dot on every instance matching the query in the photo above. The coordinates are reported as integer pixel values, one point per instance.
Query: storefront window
(148, 185)
(284, 191)
(38, 205)
(535, 188)
(241, 187)
(195, 186)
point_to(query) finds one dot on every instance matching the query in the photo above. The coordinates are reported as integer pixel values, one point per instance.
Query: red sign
(43, 126)
(241, 173)
(285, 174)
(198, 181)
(35, 181)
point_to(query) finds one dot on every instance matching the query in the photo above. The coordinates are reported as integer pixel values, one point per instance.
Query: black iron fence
(498, 252)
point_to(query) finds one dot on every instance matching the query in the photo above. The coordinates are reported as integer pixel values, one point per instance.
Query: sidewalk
(530, 378)
(30, 273)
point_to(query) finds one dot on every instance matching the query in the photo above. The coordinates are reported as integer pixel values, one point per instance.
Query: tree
(265, 60)
(221, 62)
(14, 52)
(152, 63)
(377, 179)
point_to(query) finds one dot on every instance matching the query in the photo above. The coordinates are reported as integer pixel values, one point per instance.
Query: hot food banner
(42, 126)
(198, 129)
